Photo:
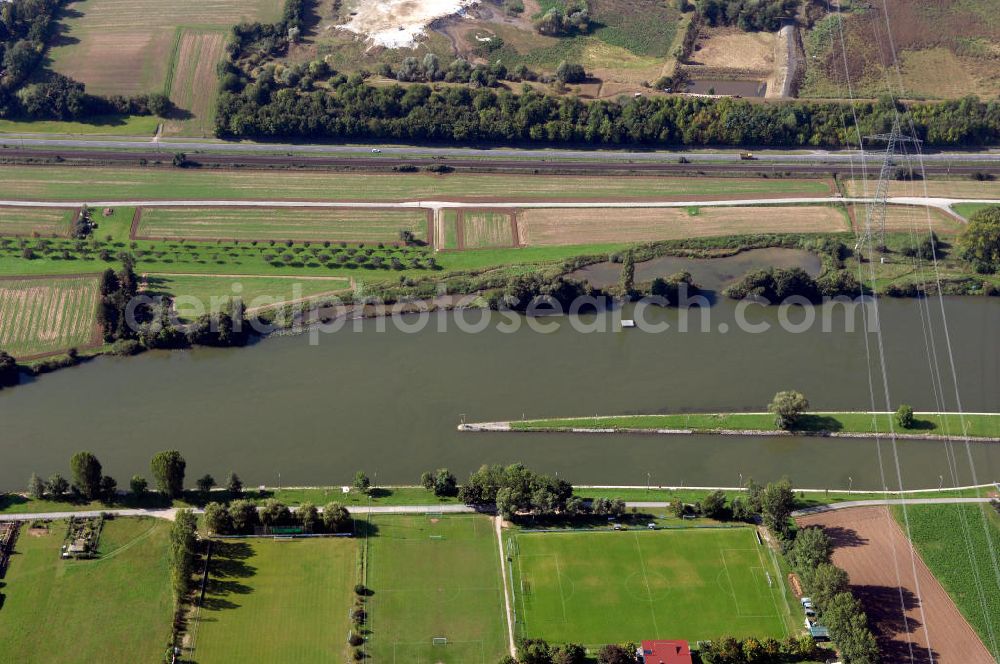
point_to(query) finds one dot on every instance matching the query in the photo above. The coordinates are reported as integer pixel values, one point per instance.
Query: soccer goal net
(439, 641)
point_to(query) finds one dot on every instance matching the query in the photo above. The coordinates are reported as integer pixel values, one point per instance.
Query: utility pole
(877, 208)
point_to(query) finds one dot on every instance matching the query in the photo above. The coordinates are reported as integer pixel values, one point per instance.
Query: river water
(389, 402)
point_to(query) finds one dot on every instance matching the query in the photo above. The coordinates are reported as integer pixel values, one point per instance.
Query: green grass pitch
(114, 609)
(435, 577)
(607, 587)
(277, 601)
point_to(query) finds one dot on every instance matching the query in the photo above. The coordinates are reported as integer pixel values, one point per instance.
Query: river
(388, 402)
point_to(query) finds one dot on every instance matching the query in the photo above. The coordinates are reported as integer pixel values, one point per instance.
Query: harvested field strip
(942, 188)
(39, 316)
(959, 565)
(485, 229)
(79, 184)
(567, 226)
(29, 221)
(296, 224)
(194, 295)
(873, 550)
(125, 46)
(195, 81)
(913, 218)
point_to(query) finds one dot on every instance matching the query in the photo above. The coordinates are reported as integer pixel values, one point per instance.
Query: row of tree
(827, 586)
(748, 15)
(88, 481)
(243, 517)
(183, 553)
(539, 651)
(350, 108)
(751, 650)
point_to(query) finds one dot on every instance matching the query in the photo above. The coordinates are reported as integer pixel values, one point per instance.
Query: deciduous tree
(168, 471)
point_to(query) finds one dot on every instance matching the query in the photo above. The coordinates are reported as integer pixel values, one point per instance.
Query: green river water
(389, 402)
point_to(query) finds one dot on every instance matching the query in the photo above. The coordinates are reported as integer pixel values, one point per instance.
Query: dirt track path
(912, 615)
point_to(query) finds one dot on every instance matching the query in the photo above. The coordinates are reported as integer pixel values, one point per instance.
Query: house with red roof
(665, 652)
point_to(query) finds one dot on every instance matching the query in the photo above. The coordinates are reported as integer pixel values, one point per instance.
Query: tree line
(809, 554)
(88, 482)
(347, 107)
(242, 517)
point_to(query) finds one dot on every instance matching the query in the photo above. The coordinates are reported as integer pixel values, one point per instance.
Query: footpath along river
(389, 402)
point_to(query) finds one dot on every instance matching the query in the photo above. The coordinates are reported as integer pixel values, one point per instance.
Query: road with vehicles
(220, 153)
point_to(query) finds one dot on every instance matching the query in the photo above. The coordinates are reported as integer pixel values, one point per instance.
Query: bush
(904, 416)
(787, 407)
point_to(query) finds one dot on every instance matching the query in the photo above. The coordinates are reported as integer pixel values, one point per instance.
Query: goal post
(439, 641)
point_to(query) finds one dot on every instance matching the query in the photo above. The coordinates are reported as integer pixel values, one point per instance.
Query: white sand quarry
(399, 23)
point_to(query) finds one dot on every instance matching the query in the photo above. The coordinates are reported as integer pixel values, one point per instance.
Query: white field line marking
(498, 522)
(771, 587)
(645, 580)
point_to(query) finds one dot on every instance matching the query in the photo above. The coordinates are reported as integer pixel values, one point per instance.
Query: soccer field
(277, 601)
(435, 578)
(607, 587)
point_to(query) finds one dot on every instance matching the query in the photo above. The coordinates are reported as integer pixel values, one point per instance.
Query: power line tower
(875, 214)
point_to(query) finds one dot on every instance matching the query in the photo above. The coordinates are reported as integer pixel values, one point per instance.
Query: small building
(819, 632)
(665, 652)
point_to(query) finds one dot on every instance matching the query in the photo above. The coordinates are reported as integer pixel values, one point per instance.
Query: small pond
(712, 274)
(709, 86)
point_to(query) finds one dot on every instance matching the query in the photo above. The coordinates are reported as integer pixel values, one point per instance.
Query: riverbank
(983, 427)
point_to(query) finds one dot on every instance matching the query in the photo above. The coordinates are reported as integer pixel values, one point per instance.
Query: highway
(169, 146)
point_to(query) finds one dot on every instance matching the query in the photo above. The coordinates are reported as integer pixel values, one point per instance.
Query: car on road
(376, 151)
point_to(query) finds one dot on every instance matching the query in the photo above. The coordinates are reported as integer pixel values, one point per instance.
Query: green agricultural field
(277, 601)
(194, 295)
(131, 125)
(47, 315)
(295, 224)
(976, 425)
(35, 221)
(607, 587)
(962, 565)
(487, 230)
(435, 578)
(115, 609)
(115, 183)
(449, 232)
